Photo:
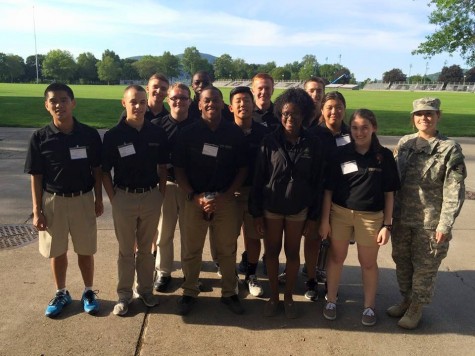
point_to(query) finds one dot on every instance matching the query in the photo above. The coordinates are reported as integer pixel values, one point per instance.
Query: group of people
(271, 171)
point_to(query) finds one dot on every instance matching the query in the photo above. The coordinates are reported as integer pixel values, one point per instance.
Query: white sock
(87, 288)
(62, 290)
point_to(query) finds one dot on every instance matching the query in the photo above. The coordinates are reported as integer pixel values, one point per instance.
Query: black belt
(135, 190)
(69, 195)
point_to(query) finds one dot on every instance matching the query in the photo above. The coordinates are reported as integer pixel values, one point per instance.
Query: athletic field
(22, 105)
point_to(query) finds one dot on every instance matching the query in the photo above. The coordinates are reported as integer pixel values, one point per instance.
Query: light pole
(464, 76)
(425, 74)
(409, 76)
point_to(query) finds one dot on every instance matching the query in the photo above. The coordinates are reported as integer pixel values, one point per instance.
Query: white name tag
(78, 152)
(210, 150)
(343, 140)
(349, 167)
(126, 150)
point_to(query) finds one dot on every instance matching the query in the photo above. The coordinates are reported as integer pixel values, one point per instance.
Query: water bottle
(209, 196)
(323, 254)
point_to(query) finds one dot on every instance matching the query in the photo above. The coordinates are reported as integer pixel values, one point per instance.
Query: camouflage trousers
(417, 256)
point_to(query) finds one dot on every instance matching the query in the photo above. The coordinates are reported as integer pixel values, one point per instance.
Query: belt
(135, 190)
(69, 195)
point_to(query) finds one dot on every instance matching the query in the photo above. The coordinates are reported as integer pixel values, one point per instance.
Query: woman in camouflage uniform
(432, 172)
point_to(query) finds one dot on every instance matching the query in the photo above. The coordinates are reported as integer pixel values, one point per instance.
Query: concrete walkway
(448, 324)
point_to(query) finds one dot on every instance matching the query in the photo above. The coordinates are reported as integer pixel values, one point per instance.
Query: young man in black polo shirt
(64, 162)
(241, 105)
(262, 88)
(137, 150)
(210, 160)
(174, 202)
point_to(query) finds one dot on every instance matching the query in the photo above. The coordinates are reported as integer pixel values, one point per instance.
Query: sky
(369, 37)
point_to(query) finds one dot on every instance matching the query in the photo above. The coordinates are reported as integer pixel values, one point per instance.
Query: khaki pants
(135, 220)
(222, 229)
(173, 209)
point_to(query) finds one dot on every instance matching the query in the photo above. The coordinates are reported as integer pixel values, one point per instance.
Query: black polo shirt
(254, 138)
(211, 159)
(172, 127)
(359, 181)
(134, 155)
(266, 117)
(64, 160)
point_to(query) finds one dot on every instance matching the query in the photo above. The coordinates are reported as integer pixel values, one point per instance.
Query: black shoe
(264, 266)
(321, 276)
(185, 304)
(161, 284)
(233, 303)
(244, 262)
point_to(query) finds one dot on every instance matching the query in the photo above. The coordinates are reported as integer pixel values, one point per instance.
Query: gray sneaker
(255, 287)
(329, 311)
(369, 317)
(121, 308)
(149, 299)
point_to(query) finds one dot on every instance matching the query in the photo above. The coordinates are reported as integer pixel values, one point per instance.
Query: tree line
(60, 65)
(452, 74)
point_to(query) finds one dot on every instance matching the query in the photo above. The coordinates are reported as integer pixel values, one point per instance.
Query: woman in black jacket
(286, 192)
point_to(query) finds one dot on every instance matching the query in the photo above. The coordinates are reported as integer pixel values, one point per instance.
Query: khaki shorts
(65, 216)
(363, 226)
(300, 216)
(245, 219)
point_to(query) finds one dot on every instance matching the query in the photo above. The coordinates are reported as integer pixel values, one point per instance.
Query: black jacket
(286, 185)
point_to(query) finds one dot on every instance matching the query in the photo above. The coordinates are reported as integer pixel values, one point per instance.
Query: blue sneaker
(90, 303)
(55, 306)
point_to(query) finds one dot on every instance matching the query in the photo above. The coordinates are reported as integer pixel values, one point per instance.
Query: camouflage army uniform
(432, 179)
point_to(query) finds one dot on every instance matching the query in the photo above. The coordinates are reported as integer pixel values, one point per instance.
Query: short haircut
(334, 95)
(59, 87)
(212, 88)
(262, 76)
(240, 90)
(179, 85)
(159, 76)
(316, 80)
(136, 87)
(203, 73)
(300, 99)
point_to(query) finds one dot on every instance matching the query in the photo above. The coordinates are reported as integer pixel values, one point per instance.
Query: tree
(330, 71)
(294, 69)
(86, 68)
(147, 66)
(455, 21)
(280, 73)
(30, 67)
(470, 76)
(112, 54)
(170, 65)
(240, 69)
(394, 75)
(450, 74)
(193, 62)
(266, 68)
(13, 67)
(223, 67)
(108, 69)
(309, 67)
(59, 65)
(128, 70)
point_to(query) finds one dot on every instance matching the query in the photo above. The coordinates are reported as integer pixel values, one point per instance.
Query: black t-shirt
(134, 154)
(359, 181)
(211, 159)
(64, 160)
(172, 127)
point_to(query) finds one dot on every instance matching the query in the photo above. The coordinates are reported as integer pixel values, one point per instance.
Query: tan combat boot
(398, 310)
(411, 318)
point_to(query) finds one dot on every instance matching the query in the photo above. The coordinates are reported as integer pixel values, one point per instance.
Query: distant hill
(210, 58)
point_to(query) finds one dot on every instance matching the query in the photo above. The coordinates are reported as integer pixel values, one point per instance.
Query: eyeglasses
(176, 98)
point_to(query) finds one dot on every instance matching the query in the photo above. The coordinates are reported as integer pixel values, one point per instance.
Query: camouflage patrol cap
(425, 104)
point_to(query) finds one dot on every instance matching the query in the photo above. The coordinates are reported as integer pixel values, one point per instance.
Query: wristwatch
(190, 196)
(389, 227)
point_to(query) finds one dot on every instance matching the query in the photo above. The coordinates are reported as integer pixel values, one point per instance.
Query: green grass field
(22, 105)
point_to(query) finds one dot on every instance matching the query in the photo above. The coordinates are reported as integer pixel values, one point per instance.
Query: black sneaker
(312, 291)
(321, 276)
(185, 304)
(233, 303)
(243, 264)
(161, 284)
